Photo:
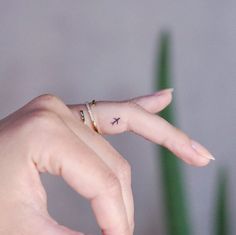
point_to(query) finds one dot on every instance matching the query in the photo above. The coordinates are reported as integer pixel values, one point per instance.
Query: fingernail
(161, 92)
(201, 150)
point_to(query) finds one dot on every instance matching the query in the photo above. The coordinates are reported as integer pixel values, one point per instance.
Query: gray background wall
(80, 50)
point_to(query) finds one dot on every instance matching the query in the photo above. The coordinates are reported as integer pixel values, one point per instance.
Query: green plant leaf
(177, 216)
(221, 216)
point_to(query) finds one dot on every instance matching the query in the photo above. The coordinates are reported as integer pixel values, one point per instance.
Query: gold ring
(91, 115)
(82, 115)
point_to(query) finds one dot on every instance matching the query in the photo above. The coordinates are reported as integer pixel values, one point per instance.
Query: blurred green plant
(177, 210)
(221, 225)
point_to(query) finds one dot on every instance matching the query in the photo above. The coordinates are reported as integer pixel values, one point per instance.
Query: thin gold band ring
(88, 105)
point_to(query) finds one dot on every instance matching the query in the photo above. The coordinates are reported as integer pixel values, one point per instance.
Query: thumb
(51, 227)
(41, 223)
(61, 230)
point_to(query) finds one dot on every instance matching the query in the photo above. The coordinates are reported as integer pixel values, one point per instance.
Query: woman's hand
(48, 136)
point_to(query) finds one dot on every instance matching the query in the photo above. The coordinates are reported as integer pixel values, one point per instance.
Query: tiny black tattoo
(116, 120)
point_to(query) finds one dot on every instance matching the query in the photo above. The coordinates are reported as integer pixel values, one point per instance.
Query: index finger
(158, 130)
(136, 115)
(94, 180)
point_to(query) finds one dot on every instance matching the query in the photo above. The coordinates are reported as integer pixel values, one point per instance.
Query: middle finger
(111, 157)
(114, 160)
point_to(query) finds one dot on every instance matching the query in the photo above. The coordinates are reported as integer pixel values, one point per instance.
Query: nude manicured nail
(161, 92)
(201, 150)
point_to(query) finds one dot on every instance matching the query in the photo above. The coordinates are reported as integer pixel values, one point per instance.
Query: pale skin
(47, 135)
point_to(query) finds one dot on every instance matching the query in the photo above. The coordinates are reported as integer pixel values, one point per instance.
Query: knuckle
(131, 106)
(45, 99)
(35, 129)
(131, 110)
(40, 119)
(40, 115)
(112, 183)
(176, 139)
(124, 170)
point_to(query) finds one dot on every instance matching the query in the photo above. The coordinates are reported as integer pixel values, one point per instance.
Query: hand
(48, 136)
